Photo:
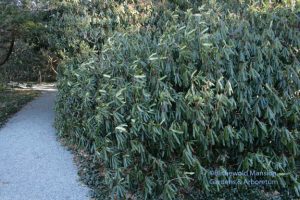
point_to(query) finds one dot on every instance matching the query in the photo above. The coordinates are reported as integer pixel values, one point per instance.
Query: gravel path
(33, 165)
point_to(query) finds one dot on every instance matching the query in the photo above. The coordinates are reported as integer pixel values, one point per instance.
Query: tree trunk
(40, 76)
(10, 50)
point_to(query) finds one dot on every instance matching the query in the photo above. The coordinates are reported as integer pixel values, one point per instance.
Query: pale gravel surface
(33, 164)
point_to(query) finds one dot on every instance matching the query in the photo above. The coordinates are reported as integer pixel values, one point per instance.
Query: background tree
(24, 36)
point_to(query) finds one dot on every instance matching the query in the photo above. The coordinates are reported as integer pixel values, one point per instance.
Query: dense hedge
(185, 93)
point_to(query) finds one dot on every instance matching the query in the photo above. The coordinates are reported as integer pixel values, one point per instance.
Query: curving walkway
(33, 164)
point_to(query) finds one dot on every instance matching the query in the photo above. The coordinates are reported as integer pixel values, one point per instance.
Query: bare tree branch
(10, 50)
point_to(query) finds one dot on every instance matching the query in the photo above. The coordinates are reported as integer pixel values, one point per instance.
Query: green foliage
(79, 28)
(23, 36)
(21, 68)
(165, 100)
